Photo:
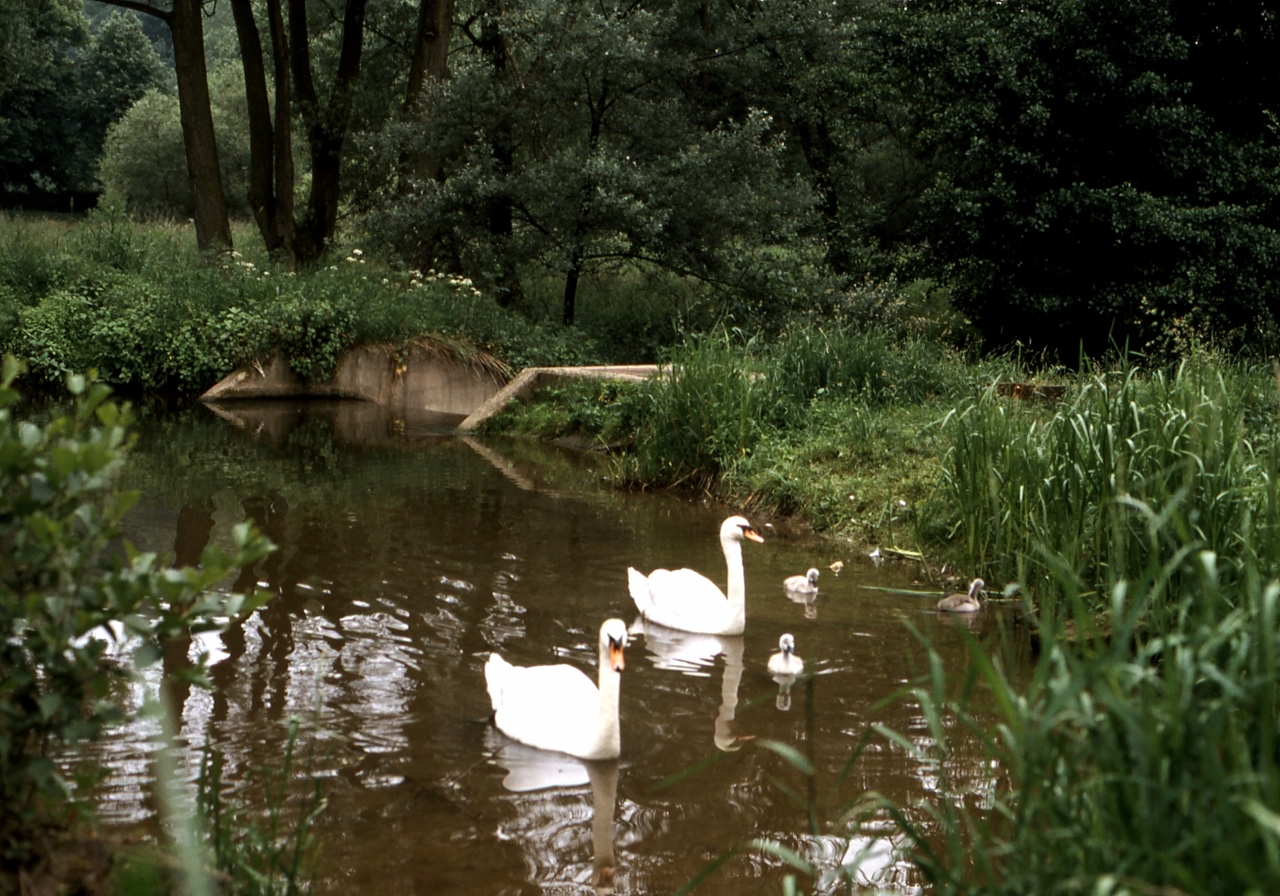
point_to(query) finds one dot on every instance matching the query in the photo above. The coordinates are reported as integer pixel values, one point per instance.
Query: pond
(407, 554)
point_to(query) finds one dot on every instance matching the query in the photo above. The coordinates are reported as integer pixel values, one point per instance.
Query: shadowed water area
(407, 554)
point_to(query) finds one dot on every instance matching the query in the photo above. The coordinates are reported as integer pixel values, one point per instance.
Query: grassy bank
(147, 311)
(905, 443)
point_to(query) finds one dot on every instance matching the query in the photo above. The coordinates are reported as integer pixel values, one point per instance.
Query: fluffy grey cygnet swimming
(804, 584)
(964, 603)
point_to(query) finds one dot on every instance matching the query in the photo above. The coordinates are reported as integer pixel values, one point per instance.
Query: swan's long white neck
(737, 590)
(608, 734)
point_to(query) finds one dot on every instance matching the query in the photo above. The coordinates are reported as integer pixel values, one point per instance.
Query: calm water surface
(406, 555)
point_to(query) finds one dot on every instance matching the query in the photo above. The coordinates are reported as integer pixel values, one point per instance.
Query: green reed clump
(277, 854)
(1127, 764)
(710, 409)
(1029, 483)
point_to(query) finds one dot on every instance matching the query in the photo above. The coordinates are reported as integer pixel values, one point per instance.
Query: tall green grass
(724, 395)
(1130, 765)
(1036, 488)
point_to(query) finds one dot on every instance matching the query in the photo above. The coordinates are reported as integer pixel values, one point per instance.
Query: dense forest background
(1061, 173)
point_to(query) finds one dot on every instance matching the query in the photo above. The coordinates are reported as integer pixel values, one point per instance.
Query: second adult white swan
(688, 600)
(557, 707)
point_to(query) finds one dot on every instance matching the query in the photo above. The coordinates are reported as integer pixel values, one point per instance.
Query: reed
(1033, 488)
(1135, 765)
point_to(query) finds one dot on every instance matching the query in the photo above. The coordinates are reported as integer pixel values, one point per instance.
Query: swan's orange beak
(615, 656)
(753, 535)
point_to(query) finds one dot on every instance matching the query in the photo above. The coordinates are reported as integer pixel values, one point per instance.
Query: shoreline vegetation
(1135, 516)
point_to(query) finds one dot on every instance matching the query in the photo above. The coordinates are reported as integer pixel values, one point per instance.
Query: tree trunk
(213, 228)
(285, 221)
(507, 288)
(571, 290)
(262, 193)
(430, 60)
(327, 128)
(818, 148)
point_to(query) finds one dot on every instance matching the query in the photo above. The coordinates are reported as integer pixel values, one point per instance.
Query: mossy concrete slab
(413, 378)
(532, 379)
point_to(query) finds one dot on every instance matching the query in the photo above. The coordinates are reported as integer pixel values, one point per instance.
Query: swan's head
(812, 576)
(975, 586)
(787, 645)
(737, 528)
(613, 640)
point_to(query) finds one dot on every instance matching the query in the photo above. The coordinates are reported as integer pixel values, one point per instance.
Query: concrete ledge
(420, 377)
(532, 379)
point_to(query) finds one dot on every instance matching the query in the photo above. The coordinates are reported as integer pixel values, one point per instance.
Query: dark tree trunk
(571, 291)
(326, 128)
(262, 190)
(209, 203)
(213, 229)
(285, 221)
(501, 212)
(818, 148)
(430, 61)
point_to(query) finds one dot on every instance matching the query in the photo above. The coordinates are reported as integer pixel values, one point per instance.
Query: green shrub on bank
(1130, 763)
(62, 590)
(150, 314)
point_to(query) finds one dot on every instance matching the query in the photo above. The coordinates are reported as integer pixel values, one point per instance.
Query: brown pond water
(406, 555)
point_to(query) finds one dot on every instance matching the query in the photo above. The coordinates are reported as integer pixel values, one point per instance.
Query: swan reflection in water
(809, 599)
(694, 654)
(543, 818)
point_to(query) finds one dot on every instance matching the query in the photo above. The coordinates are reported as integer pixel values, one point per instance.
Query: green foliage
(62, 590)
(37, 95)
(143, 160)
(1036, 487)
(1138, 762)
(147, 313)
(119, 67)
(1104, 170)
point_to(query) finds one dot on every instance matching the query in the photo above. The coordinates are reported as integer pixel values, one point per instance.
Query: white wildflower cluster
(458, 283)
(356, 256)
(237, 260)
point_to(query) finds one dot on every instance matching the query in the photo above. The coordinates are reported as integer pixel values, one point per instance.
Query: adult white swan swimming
(691, 602)
(557, 707)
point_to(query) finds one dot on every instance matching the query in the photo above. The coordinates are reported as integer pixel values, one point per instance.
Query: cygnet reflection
(809, 599)
(695, 654)
(783, 667)
(530, 770)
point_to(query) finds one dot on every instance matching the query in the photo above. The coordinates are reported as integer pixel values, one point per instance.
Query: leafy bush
(62, 591)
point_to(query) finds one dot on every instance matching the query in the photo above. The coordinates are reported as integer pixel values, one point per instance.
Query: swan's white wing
(549, 707)
(684, 599)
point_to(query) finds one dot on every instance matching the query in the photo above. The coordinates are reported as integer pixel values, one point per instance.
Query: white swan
(785, 661)
(805, 584)
(964, 603)
(689, 601)
(557, 707)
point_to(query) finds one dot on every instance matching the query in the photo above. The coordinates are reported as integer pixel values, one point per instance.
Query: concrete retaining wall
(412, 379)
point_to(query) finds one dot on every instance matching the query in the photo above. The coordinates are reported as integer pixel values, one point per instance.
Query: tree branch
(164, 15)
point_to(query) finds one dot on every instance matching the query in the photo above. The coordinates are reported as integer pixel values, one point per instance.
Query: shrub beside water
(152, 315)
